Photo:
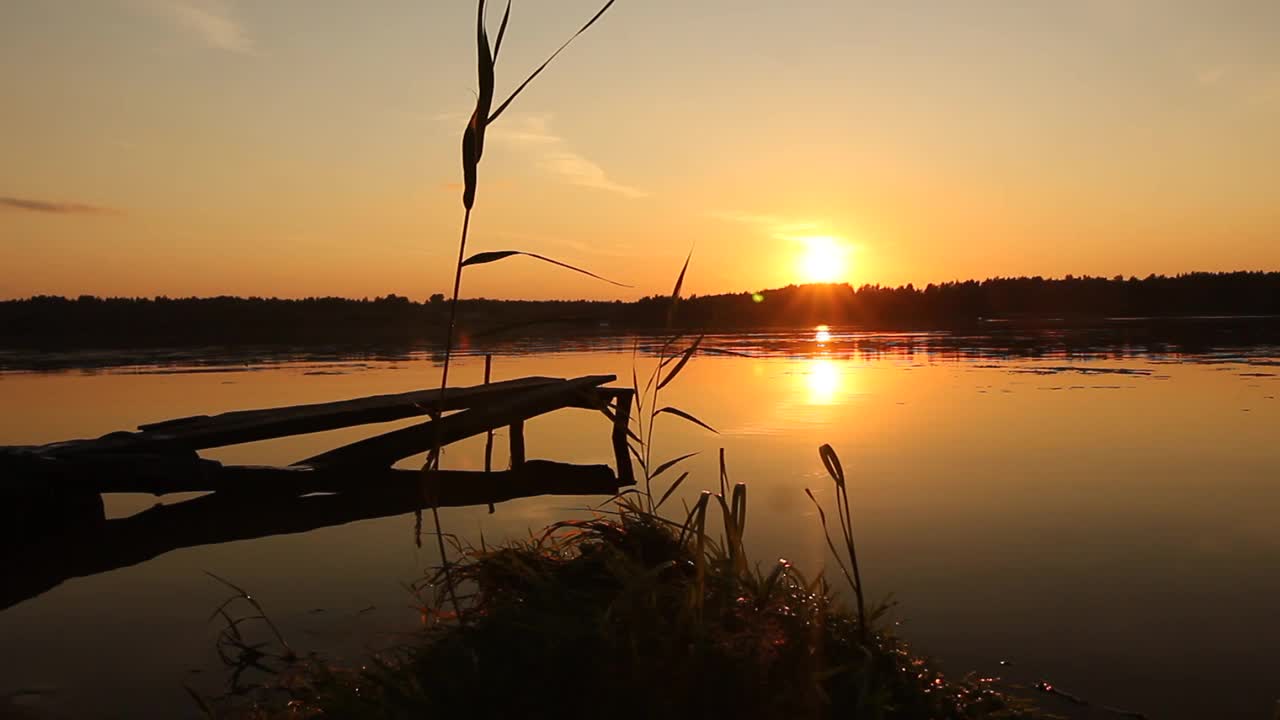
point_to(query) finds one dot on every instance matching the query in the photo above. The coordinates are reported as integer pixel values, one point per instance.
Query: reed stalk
(472, 151)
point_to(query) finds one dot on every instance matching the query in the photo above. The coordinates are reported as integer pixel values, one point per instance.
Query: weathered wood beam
(241, 426)
(387, 449)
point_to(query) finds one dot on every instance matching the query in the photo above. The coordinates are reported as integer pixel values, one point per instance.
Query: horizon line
(1068, 277)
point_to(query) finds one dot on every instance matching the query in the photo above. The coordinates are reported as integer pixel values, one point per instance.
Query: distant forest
(85, 322)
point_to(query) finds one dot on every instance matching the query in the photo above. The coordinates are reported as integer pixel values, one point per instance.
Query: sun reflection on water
(822, 377)
(822, 334)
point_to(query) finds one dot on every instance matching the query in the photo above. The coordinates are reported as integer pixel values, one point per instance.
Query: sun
(823, 259)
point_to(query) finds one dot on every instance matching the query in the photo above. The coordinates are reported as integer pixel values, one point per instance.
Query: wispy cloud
(775, 226)
(1253, 84)
(533, 134)
(1211, 75)
(213, 21)
(56, 208)
(612, 249)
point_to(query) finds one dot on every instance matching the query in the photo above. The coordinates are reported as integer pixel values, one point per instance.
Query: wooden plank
(621, 423)
(416, 399)
(241, 426)
(386, 449)
(35, 564)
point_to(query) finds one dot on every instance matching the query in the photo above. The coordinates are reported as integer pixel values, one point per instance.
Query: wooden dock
(163, 457)
(52, 524)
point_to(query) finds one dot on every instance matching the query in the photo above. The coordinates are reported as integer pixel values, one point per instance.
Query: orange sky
(299, 147)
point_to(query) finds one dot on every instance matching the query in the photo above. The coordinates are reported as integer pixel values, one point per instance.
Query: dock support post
(517, 444)
(621, 455)
(488, 436)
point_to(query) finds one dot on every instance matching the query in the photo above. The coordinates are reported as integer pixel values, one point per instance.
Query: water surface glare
(1106, 521)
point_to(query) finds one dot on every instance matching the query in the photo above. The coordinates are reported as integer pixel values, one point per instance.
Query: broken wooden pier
(163, 457)
(52, 524)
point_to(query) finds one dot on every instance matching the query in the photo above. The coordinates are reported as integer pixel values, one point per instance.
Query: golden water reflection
(990, 490)
(823, 380)
(822, 334)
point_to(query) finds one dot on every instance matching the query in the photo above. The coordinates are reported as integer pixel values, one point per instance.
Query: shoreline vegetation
(630, 613)
(52, 322)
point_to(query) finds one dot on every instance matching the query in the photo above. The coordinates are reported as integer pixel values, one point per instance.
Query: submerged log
(37, 563)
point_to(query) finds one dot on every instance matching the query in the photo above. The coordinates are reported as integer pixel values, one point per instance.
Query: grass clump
(631, 614)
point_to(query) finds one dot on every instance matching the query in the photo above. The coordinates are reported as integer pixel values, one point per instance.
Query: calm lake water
(1106, 521)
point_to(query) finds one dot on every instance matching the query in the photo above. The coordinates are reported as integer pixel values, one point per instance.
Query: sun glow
(823, 259)
(822, 377)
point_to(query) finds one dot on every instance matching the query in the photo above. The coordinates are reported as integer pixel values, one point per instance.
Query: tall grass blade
(547, 62)
(675, 292)
(770, 583)
(826, 532)
(662, 350)
(684, 360)
(635, 381)
(473, 136)
(669, 464)
(200, 702)
(733, 533)
(832, 461)
(244, 594)
(613, 418)
(738, 506)
(502, 30)
(688, 520)
(682, 414)
(496, 255)
(724, 474)
(699, 525)
(836, 470)
(472, 150)
(671, 489)
(722, 351)
(639, 456)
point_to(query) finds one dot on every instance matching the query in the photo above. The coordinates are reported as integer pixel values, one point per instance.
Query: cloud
(1211, 75)
(532, 134)
(56, 208)
(578, 170)
(612, 249)
(776, 226)
(1252, 84)
(213, 21)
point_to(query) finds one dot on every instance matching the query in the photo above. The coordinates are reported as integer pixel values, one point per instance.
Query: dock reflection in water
(66, 537)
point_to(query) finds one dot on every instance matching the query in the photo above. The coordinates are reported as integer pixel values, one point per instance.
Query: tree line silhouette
(86, 321)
